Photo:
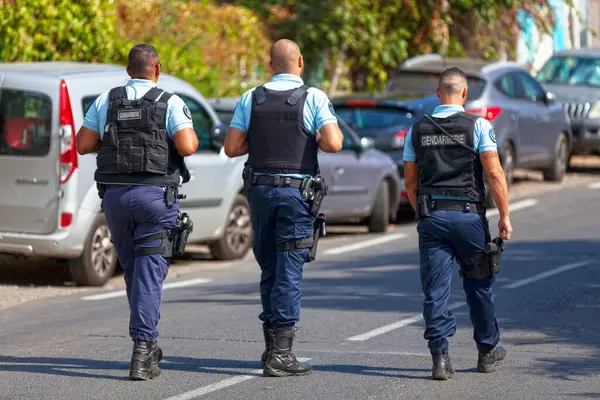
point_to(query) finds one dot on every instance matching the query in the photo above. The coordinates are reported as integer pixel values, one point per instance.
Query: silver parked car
(532, 130)
(49, 203)
(364, 183)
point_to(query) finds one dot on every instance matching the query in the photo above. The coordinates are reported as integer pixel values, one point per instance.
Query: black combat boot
(268, 333)
(442, 368)
(487, 362)
(144, 361)
(281, 361)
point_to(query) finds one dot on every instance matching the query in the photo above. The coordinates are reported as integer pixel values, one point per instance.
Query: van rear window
(25, 123)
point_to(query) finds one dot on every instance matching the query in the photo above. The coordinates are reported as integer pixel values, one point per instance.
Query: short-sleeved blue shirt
(485, 138)
(318, 110)
(178, 115)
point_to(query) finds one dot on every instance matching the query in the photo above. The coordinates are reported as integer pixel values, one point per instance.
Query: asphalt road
(360, 328)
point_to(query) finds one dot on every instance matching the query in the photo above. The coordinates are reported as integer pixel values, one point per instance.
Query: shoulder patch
(186, 111)
(331, 108)
(493, 135)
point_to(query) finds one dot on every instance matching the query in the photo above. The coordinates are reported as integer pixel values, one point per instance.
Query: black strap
(277, 181)
(259, 95)
(165, 249)
(118, 93)
(445, 132)
(297, 95)
(152, 94)
(305, 243)
(458, 205)
(155, 236)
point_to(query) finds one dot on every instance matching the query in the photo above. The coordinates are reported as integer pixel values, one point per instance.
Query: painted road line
(517, 205)
(166, 286)
(595, 185)
(201, 391)
(546, 274)
(366, 243)
(397, 325)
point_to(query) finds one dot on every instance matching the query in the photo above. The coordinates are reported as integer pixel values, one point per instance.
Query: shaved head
(286, 57)
(452, 86)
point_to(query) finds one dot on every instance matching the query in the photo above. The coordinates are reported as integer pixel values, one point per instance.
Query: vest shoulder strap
(152, 94)
(259, 95)
(297, 95)
(118, 93)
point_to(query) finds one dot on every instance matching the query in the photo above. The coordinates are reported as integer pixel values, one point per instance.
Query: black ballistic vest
(278, 141)
(445, 167)
(135, 148)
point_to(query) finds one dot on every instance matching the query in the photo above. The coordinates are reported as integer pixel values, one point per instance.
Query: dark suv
(574, 77)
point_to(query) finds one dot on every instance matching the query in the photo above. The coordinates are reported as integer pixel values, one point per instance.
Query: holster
(171, 194)
(319, 231)
(247, 175)
(483, 264)
(423, 209)
(313, 191)
(185, 226)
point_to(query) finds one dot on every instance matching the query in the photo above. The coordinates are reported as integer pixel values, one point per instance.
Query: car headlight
(594, 111)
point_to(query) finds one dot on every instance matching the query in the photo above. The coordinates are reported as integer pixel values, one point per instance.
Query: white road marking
(201, 391)
(595, 185)
(517, 205)
(366, 243)
(546, 274)
(171, 285)
(397, 325)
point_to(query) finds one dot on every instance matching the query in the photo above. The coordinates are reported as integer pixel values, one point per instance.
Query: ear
(300, 61)
(437, 92)
(271, 67)
(127, 69)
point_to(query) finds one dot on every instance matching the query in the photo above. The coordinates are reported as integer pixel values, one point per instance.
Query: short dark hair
(452, 71)
(141, 58)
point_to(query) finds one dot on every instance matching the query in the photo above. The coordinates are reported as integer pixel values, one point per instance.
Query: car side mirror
(366, 143)
(549, 98)
(218, 134)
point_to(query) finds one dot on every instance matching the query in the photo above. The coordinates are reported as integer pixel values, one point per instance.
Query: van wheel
(380, 218)
(238, 235)
(98, 262)
(556, 173)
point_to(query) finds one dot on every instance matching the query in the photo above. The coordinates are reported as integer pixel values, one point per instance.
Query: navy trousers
(279, 215)
(443, 236)
(133, 212)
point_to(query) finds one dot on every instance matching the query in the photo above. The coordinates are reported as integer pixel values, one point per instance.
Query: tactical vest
(135, 148)
(445, 167)
(278, 141)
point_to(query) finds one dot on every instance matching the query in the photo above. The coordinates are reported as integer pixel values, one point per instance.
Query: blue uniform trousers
(279, 215)
(444, 235)
(133, 212)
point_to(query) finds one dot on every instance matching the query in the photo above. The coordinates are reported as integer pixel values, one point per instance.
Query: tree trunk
(337, 72)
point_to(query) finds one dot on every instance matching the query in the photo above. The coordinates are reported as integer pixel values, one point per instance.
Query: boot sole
(488, 369)
(153, 372)
(277, 373)
(443, 376)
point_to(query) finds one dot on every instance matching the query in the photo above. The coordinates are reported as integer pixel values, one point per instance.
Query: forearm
(411, 191)
(499, 191)
(237, 150)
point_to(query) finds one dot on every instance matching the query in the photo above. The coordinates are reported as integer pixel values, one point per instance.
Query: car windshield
(582, 71)
(374, 117)
(426, 83)
(225, 116)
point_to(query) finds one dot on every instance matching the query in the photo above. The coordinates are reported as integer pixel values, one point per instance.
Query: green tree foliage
(50, 30)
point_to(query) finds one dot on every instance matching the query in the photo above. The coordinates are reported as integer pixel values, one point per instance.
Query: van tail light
(398, 139)
(489, 113)
(68, 145)
(65, 219)
(403, 195)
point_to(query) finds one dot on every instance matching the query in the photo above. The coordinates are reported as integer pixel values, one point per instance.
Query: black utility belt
(457, 205)
(280, 181)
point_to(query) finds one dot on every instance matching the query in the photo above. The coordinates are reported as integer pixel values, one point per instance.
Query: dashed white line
(366, 243)
(201, 391)
(595, 185)
(517, 205)
(546, 274)
(166, 286)
(396, 325)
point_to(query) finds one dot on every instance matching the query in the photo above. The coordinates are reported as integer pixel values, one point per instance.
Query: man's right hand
(505, 228)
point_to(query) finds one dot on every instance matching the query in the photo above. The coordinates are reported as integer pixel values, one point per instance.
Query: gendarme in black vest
(445, 167)
(278, 141)
(135, 147)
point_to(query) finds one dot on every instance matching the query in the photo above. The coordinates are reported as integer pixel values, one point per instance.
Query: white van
(49, 204)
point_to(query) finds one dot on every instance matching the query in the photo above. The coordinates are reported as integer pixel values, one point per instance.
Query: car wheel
(556, 173)
(98, 262)
(380, 217)
(237, 238)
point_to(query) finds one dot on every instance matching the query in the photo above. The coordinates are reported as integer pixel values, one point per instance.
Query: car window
(507, 85)
(225, 116)
(349, 142)
(203, 125)
(25, 123)
(374, 117)
(571, 70)
(426, 82)
(87, 102)
(532, 90)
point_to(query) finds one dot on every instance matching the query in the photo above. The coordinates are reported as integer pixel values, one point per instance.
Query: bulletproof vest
(135, 148)
(445, 167)
(278, 141)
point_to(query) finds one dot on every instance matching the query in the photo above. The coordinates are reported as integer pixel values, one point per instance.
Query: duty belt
(277, 181)
(458, 205)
